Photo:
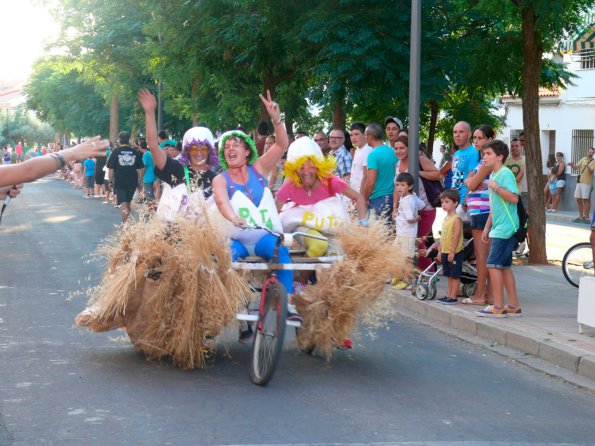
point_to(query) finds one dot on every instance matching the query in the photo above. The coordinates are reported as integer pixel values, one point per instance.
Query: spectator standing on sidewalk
(89, 175)
(380, 175)
(148, 174)
(501, 226)
(451, 246)
(478, 209)
(360, 157)
(123, 164)
(322, 141)
(100, 176)
(559, 169)
(464, 160)
(341, 154)
(393, 127)
(582, 193)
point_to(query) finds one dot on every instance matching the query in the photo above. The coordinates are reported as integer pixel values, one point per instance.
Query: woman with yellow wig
(309, 198)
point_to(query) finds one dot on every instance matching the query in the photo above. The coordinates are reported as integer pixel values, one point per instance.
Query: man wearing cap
(392, 127)
(341, 154)
(124, 163)
(380, 174)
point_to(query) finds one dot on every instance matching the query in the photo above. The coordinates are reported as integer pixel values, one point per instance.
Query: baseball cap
(393, 119)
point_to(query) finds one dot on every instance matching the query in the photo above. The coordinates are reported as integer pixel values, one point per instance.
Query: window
(515, 133)
(587, 59)
(581, 141)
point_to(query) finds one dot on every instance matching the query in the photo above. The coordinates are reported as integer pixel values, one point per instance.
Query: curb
(570, 358)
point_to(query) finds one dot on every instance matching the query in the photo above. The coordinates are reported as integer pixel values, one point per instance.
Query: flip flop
(469, 301)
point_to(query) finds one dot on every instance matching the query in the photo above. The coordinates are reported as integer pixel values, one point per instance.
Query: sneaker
(513, 312)
(521, 249)
(402, 285)
(292, 313)
(246, 334)
(442, 300)
(449, 301)
(577, 220)
(491, 311)
(586, 221)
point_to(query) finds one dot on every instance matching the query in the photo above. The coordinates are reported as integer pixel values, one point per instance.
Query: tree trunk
(195, 85)
(270, 84)
(532, 54)
(114, 117)
(433, 121)
(339, 117)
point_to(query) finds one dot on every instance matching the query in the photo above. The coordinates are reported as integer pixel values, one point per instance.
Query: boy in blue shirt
(501, 226)
(89, 174)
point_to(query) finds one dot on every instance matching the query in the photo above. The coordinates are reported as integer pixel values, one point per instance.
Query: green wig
(236, 133)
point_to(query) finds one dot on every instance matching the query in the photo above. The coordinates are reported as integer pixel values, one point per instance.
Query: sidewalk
(548, 329)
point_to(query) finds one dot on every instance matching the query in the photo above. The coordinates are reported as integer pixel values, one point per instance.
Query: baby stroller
(425, 283)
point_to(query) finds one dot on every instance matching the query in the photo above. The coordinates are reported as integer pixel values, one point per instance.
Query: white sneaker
(521, 249)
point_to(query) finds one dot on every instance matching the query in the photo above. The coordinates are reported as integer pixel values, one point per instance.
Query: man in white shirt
(357, 132)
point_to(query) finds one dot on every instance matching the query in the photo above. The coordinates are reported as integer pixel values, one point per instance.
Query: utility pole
(414, 94)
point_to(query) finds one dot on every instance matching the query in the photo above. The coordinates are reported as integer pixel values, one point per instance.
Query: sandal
(469, 301)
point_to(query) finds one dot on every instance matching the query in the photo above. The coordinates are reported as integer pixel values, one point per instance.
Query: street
(62, 385)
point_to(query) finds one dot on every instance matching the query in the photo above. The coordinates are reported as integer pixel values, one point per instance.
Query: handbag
(433, 190)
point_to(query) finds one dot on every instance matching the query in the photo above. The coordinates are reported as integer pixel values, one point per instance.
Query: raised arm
(149, 104)
(269, 160)
(41, 166)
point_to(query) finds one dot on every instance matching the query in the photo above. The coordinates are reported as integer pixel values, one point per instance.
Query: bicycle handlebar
(290, 234)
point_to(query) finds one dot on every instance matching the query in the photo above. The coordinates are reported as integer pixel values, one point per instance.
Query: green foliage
(63, 98)
(22, 125)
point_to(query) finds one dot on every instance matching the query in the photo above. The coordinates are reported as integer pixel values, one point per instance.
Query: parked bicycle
(577, 263)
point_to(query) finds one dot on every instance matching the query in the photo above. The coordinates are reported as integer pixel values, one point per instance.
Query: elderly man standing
(341, 154)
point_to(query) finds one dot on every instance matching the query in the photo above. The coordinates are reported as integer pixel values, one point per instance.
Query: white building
(566, 116)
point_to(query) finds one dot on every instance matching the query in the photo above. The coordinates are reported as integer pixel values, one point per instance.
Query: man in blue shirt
(148, 173)
(465, 159)
(380, 174)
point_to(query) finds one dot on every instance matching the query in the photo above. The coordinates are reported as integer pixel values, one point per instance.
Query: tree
(544, 23)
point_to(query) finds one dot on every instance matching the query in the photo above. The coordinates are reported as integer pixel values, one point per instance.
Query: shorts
(89, 182)
(582, 191)
(560, 183)
(405, 245)
(149, 191)
(478, 221)
(99, 179)
(454, 269)
(500, 255)
(124, 195)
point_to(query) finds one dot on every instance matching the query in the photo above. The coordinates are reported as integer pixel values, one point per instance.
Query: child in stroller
(425, 284)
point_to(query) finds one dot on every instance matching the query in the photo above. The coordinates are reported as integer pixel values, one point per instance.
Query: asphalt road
(60, 385)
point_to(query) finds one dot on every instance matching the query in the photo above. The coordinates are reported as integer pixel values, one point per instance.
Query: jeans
(382, 206)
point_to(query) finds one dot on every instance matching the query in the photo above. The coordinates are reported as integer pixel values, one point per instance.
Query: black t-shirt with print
(125, 161)
(173, 174)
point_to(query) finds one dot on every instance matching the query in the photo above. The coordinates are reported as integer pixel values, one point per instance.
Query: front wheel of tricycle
(270, 333)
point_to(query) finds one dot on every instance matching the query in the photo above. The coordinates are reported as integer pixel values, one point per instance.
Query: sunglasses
(193, 150)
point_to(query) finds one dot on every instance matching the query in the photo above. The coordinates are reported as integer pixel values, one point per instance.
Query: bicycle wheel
(270, 333)
(578, 262)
